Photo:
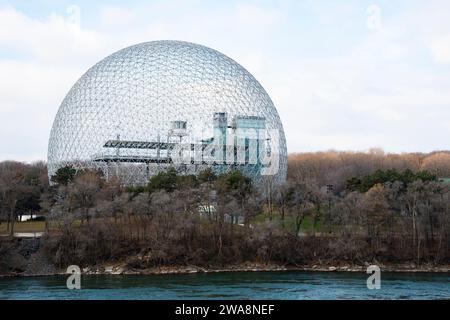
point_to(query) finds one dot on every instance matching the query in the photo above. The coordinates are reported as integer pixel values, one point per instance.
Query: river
(232, 285)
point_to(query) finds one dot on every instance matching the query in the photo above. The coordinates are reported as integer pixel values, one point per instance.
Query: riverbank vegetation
(336, 207)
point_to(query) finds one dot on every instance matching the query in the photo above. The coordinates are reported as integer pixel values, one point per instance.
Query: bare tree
(83, 191)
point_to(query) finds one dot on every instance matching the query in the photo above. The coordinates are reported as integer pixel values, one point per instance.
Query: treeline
(335, 207)
(173, 220)
(334, 167)
(21, 188)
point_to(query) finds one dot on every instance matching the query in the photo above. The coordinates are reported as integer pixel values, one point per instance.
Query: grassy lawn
(26, 226)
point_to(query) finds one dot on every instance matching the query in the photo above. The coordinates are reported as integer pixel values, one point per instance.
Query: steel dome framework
(128, 112)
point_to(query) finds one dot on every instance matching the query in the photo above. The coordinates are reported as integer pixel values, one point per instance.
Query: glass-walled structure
(168, 104)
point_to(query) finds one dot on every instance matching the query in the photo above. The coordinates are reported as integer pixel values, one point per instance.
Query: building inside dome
(164, 104)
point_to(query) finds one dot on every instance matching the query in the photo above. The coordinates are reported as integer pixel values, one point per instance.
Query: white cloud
(30, 96)
(256, 15)
(116, 16)
(55, 39)
(386, 88)
(440, 48)
(43, 60)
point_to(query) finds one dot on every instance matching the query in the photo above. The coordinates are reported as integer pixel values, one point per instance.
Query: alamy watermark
(373, 21)
(241, 147)
(74, 15)
(374, 280)
(74, 280)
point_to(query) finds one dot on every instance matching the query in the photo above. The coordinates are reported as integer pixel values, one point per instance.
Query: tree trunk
(414, 227)
(418, 252)
(11, 233)
(298, 222)
(430, 221)
(12, 217)
(269, 199)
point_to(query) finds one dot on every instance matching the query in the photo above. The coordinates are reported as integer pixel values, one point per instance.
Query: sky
(343, 75)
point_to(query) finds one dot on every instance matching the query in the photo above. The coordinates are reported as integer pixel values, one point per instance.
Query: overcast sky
(345, 75)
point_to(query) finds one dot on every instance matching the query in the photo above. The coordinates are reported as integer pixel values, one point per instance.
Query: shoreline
(122, 269)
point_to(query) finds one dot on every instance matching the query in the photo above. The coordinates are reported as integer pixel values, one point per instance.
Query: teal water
(235, 285)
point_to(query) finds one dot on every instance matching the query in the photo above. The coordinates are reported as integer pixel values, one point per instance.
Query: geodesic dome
(128, 112)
